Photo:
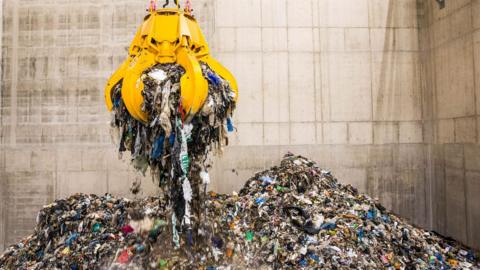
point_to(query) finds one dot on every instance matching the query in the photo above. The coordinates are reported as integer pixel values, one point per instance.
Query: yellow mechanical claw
(193, 86)
(167, 36)
(118, 76)
(200, 47)
(133, 84)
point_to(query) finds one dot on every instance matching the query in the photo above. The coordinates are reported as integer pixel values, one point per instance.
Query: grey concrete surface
(450, 43)
(381, 92)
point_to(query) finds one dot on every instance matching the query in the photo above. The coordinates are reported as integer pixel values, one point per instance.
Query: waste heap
(293, 216)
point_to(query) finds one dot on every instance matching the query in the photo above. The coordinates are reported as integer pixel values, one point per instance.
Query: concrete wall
(340, 81)
(451, 54)
(335, 80)
(2, 184)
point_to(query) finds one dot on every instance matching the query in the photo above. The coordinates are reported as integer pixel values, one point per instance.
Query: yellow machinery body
(167, 35)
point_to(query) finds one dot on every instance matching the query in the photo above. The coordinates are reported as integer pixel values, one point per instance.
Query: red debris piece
(127, 229)
(124, 257)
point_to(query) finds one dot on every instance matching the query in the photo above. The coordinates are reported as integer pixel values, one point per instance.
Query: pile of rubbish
(174, 146)
(292, 216)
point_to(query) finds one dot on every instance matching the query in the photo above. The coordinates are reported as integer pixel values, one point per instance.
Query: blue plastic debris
(213, 78)
(157, 150)
(360, 234)
(471, 256)
(328, 226)
(230, 127)
(217, 242)
(71, 239)
(140, 248)
(303, 263)
(386, 219)
(439, 257)
(315, 257)
(117, 101)
(189, 238)
(171, 140)
(267, 180)
(40, 254)
(371, 214)
(260, 200)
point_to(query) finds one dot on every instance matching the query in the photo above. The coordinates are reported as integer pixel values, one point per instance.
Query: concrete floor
(382, 92)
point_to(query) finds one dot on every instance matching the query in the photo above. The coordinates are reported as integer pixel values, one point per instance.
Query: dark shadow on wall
(453, 167)
(2, 212)
(398, 173)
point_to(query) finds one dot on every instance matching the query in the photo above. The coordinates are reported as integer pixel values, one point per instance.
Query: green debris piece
(96, 227)
(276, 248)
(264, 239)
(129, 141)
(185, 161)
(332, 232)
(281, 189)
(184, 158)
(162, 263)
(249, 235)
(159, 223)
(141, 164)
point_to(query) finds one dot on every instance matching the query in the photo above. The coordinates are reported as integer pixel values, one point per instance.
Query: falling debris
(293, 216)
(175, 147)
(172, 105)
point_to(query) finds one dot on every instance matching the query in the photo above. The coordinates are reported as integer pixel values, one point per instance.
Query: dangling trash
(172, 104)
(323, 225)
(158, 75)
(188, 143)
(230, 126)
